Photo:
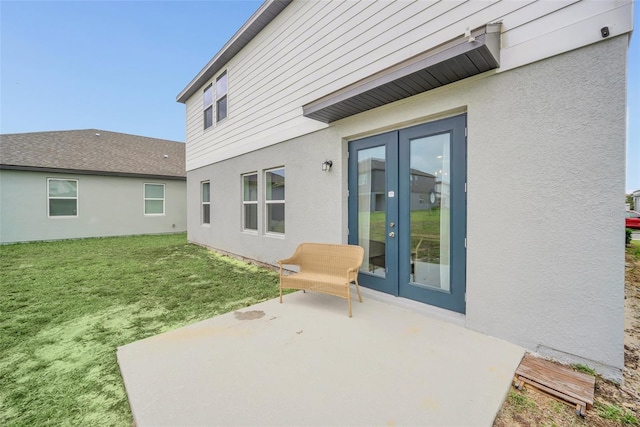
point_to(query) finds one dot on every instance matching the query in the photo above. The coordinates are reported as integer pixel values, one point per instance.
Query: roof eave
(91, 172)
(457, 59)
(256, 23)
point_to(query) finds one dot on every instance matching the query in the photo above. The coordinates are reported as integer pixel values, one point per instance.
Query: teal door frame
(397, 280)
(389, 141)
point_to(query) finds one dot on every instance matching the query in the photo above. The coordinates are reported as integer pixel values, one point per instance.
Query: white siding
(314, 48)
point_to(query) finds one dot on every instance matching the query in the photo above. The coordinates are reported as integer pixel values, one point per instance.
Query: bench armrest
(288, 261)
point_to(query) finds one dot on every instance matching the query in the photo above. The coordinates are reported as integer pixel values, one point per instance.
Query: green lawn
(634, 249)
(66, 306)
(425, 231)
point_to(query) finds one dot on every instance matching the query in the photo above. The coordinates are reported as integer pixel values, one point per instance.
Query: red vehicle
(632, 220)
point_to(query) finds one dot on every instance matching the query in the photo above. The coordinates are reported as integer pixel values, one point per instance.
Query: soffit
(455, 60)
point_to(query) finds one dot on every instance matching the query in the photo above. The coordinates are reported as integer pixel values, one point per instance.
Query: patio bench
(324, 267)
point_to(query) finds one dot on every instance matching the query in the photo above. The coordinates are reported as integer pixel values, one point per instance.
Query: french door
(407, 209)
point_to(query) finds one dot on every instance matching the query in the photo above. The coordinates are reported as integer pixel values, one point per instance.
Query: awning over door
(455, 60)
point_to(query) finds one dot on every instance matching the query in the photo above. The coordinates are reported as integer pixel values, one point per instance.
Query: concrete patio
(305, 362)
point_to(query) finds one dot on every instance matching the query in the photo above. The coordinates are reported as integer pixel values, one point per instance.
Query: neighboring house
(636, 199)
(89, 183)
(372, 186)
(507, 104)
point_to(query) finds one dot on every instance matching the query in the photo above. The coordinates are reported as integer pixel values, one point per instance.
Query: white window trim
(144, 199)
(203, 203)
(272, 202)
(250, 202)
(217, 97)
(207, 106)
(77, 198)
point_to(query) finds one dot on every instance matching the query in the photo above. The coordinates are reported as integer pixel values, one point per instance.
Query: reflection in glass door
(407, 209)
(372, 208)
(429, 177)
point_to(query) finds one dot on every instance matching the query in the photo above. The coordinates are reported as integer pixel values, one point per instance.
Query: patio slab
(306, 363)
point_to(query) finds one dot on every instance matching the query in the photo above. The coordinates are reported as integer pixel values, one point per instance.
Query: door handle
(392, 234)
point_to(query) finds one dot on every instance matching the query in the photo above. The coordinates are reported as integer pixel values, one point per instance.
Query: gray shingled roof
(93, 151)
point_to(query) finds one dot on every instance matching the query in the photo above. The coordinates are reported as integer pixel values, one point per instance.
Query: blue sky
(118, 65)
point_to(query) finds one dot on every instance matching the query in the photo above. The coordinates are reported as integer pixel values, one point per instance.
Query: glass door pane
(430, 176)
(407, 209)
(372, 209)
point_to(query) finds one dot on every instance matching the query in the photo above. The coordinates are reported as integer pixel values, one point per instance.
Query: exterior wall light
(326, 166)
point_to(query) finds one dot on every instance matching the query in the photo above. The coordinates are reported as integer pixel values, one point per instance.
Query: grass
(584, 369)
(520, 401)
(634, 249)
(425, 231)
(66, 306)
(617, 414)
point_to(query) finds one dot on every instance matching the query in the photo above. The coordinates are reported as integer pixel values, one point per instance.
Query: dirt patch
(615, 404)
(631, 384)
(249, 315)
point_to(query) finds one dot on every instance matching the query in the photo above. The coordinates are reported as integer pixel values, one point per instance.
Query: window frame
(268, 202)
(250, 202)
(145, 198)
(204, 203)
(207, 107)
(76, 198)
(220, 97)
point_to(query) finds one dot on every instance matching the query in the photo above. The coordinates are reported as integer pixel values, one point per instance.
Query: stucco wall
(545, 214)
(546, 144)
(313, 199)
(107, 206)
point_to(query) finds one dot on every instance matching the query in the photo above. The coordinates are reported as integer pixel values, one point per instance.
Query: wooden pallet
(561, 382)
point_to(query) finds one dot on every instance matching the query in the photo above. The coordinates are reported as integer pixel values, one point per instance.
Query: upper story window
(274, 200)
(154, 199)
(250, 202)
(208, 106)
(206, 202)
(217, 93)
(221, 97)
(62, 197)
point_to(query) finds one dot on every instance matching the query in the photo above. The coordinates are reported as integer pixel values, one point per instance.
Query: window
(206, 203)
(221, 97)
(154, 199)
(219, 93)
(250, 201)
(274, 200)
(208, 106)
(62, 197)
